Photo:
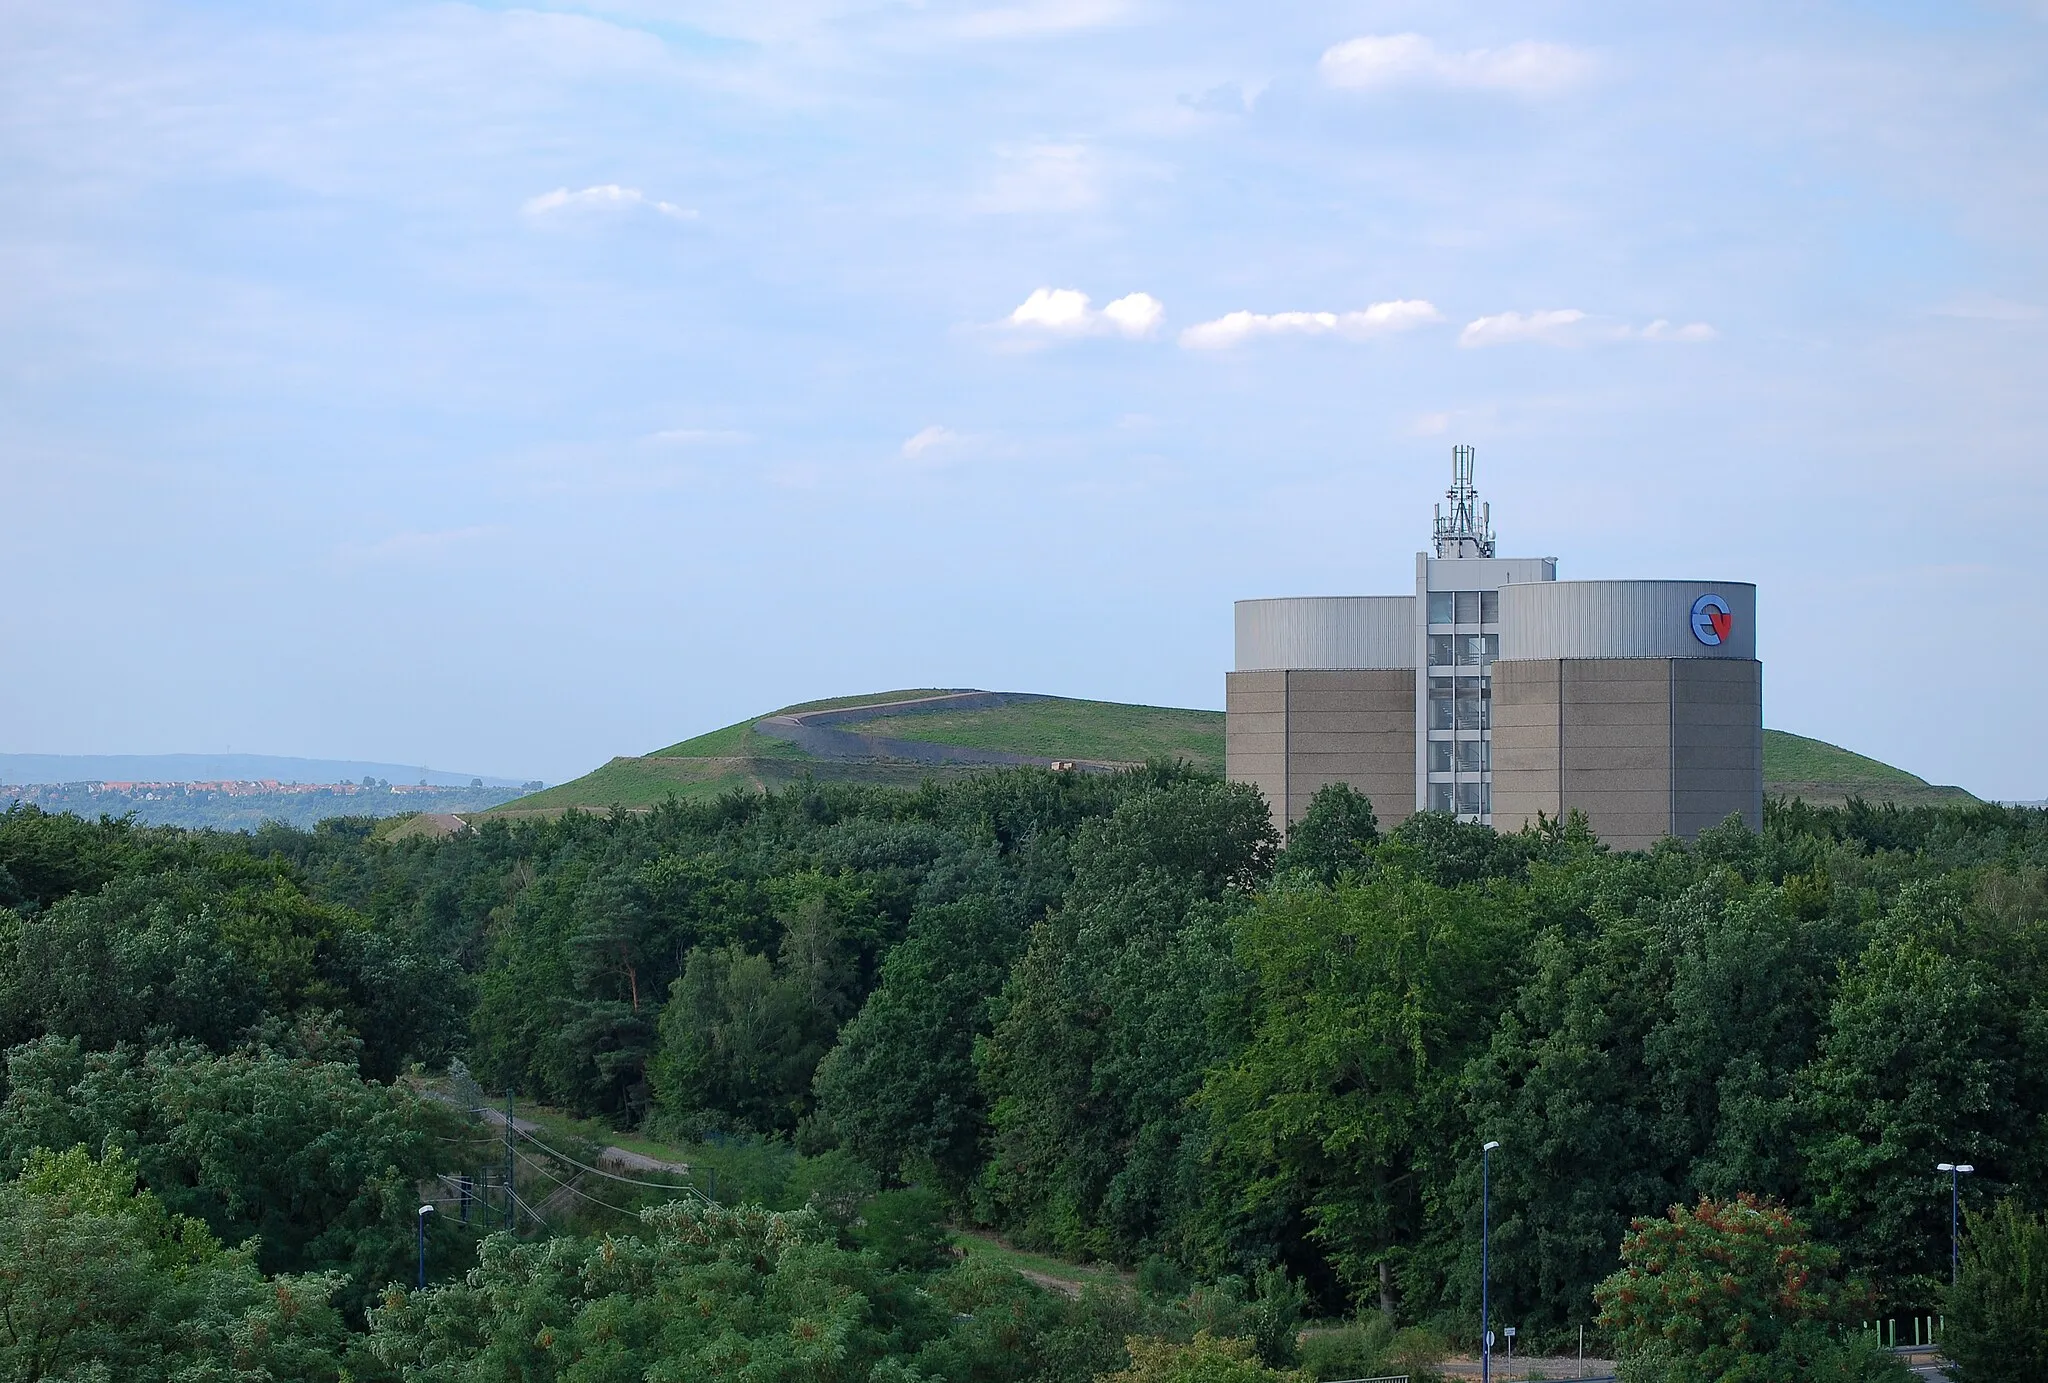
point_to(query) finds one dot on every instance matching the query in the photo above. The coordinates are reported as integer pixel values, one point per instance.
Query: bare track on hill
(817, 733)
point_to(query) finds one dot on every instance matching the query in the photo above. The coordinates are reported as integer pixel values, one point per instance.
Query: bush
(1997, 1327)
(1371, 1348)
(1728, 1291)
(1204, 1360)
(905, 1229)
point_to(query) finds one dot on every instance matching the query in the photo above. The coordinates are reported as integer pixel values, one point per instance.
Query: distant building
(1497, 692)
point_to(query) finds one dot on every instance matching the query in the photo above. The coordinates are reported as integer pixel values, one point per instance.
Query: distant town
(246, 803)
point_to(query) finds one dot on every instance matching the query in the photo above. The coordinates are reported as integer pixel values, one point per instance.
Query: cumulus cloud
(1554, 327)
(608, 197)
(1233, 328)
(931, 438)
(1383, 61)
(1065, 312)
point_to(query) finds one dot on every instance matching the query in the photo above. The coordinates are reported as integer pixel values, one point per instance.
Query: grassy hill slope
(1826, 774)
(739, 756)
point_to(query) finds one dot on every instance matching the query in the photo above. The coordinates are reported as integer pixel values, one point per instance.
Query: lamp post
(1485, 1265)
(1956, 1172)
(421, 1219)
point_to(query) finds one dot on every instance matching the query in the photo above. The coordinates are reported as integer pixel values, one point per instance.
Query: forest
(1109, 1017)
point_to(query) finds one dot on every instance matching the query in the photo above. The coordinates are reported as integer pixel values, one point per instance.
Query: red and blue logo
(1712, 621)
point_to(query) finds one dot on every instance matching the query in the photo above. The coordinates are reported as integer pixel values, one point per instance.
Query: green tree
(1995, 1326)
(1111, 1016)
(1367, 1002)
(701, 1292)
(899, 1087)
(100, 1281)
(318, 1166)
(1336, 834)
(1732, 1292)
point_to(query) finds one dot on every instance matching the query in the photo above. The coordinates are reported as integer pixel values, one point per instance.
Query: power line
(614, 1176)
(572, 1190)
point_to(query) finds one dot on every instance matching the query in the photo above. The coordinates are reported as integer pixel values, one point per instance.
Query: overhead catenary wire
(574, 1190)
(614, 1176)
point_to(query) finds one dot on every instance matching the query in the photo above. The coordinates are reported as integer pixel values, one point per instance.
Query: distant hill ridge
(906, 736)
(214, 768)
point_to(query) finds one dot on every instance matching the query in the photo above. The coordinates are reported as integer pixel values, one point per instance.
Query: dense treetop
(1113, 1017)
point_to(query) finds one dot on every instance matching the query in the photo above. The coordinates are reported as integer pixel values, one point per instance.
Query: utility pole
(1956, 1171)
(511, 1196)
(1485, 1268)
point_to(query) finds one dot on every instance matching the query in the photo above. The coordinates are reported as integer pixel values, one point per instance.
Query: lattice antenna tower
(1467, 531)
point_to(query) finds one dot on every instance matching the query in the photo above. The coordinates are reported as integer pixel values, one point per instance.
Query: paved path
(816, 732)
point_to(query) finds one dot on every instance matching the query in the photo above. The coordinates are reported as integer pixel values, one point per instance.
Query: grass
(741, 739)
(1796, 759)
(1067, 729)
(985, 1249)
(1828, 775)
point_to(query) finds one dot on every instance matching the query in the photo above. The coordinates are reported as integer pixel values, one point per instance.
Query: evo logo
(1712, 620)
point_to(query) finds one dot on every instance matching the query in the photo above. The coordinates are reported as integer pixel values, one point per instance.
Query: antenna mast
(1468, 529)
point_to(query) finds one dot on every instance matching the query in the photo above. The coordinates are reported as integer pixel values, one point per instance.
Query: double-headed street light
(1956, 1172)
(424, 1211)
(1485, 1275)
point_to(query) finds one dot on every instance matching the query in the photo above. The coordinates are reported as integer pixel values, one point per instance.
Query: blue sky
(507, 388)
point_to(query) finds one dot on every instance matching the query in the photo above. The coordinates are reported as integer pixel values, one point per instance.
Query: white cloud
(1555, 327)
(1381, 61)
(1065, 312)
(1135, 314)
(1430, 425)
(1378, 320)
(1661, 330)
(1054, 309)
(608, 197)
(930, 438)
(1568, 326)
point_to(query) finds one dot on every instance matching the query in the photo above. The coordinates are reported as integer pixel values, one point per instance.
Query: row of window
(1464, 607)
(1466, 799)
(1463, 650)
(1461, 756)
(1460, 703)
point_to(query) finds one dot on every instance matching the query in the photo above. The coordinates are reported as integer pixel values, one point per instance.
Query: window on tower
(1440, 703)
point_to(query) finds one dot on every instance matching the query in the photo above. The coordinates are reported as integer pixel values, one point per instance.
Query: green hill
(1048, 728)
(1827, 774)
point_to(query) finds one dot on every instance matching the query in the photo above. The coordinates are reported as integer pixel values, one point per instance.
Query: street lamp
(421, 1218)
(1485, 1225)
(1956, 1171)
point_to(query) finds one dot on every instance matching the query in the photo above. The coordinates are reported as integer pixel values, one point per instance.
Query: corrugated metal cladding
(1618, 619)
(1326, 631)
